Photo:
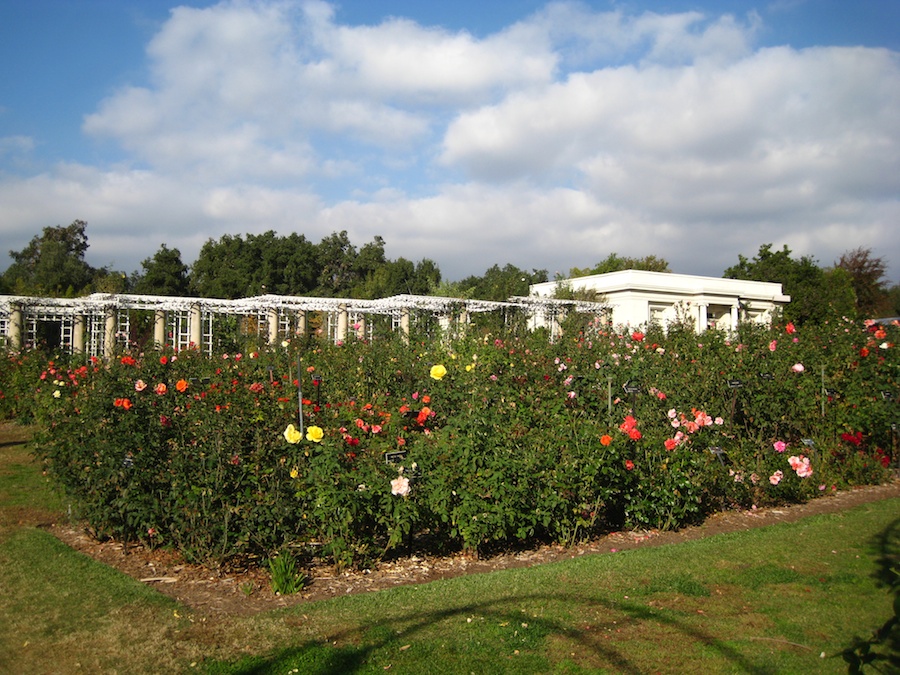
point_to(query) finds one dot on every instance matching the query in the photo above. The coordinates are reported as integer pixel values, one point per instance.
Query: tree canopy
(52, 264)
(616, 263)
(816, 294)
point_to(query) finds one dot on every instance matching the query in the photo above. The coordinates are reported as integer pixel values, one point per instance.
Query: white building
(636, 298)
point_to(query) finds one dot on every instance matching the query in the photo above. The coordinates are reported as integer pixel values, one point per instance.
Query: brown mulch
(243, 592)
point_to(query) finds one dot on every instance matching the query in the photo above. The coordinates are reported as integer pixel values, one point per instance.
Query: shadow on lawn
(321, 658)
(884, 645)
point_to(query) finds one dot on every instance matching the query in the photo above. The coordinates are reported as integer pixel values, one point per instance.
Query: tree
(867, 277)
(614, 263)
(52, 264)
(163, 274)
(501, 284)
(816, 295)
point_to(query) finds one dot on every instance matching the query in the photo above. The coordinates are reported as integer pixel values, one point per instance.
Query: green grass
(768, 600)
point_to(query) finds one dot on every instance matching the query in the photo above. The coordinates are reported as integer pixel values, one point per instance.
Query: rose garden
(351, 452)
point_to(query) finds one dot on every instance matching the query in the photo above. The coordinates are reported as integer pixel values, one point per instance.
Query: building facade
(635, 298)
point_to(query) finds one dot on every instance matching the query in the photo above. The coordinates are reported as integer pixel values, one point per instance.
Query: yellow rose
(438, 372)
(291, 435)
(295, 472)
(314, 434)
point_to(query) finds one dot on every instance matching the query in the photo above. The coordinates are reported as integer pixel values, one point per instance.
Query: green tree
(500, 284)
(52, 264)
(816, 295)
(615, 263)
(867, 277)
(163, 274)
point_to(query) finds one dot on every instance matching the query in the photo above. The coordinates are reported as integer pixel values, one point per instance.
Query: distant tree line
(53, 265)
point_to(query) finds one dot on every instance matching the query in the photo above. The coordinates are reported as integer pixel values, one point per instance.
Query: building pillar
(342, 324)
(735, 317)
(196, 325)
(109, 333)
(703, 317)
(404, 323)
(301, 323)
(273, 325)
(15, 328)
(78, 334)
(159, 329)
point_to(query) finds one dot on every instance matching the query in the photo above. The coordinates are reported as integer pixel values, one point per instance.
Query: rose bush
(349, 451)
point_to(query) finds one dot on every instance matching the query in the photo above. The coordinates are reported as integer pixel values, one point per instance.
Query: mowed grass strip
(769, 600)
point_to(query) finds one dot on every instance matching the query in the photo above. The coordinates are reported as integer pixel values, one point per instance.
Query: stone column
(301, 323)
(159, 328)
(703, 317)
(735, 317)
(78, 334)
(404, 323)
(109, 334)
(342, 323)
(16, 319)
(196, 324)
(273, 325)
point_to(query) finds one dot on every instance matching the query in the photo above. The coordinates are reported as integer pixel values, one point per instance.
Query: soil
(243, 592)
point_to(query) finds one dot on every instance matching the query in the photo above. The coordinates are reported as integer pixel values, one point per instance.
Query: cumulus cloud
(565, 136)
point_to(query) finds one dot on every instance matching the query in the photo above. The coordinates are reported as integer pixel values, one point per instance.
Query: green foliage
(286, 578)
(514, 440)
(500, 284)
(616, 263)
(163, 274)
(52, 264)
(817, 295)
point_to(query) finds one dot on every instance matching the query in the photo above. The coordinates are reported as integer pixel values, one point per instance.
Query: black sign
(808, 442)
(631, 388)
(887, 395)
(720, 453)
(831, 392)
(735, 384)
(766, 376)
(395, 457)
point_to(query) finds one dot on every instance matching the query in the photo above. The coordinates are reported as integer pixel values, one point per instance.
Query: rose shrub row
(482, 440)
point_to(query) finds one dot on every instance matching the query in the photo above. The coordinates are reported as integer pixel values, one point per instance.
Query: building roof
(684, 285)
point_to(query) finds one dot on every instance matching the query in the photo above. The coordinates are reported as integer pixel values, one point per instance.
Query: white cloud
(549, 144)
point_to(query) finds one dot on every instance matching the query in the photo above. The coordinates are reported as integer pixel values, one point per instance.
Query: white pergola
(101, 323)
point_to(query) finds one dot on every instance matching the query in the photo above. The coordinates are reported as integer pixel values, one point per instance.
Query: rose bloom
(776, 477)
(291, 434)
(400, 486)
(315, 434)
(773, 345)
(437, 372)
(670, 443)
(161, 388)
(181, 385)
(779, 446)
(605, 439)
(140, 385)
(798, 368)
(629, 465)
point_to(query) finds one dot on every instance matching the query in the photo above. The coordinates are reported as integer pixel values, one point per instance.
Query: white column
(703, 317)
(342, 323)
(109, 334)
(15, 327)
(735, 317)
(273, 325)
(196, 324)
(159, 328)
(78, 334)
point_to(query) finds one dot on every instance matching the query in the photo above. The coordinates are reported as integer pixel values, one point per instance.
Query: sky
(542, 134)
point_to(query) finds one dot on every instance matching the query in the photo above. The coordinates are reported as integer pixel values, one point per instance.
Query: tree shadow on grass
(883, 647)
(350, 651)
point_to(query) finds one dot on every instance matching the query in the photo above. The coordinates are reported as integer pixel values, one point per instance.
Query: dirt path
(215, 593)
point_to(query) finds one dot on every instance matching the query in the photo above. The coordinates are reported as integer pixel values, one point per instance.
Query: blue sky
(546, 135)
